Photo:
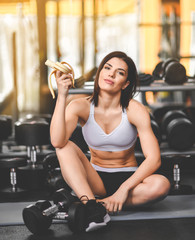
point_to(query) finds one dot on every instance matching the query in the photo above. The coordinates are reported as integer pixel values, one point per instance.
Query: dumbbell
(157, 72)
(78, 139)
(160, 111)
(190, 112)
(37, 117)
(178, 130)
(171, 71)
(145, 79)
(54, 178)
(38, 217)
(5, 129)
(32, 134)
(177, 188)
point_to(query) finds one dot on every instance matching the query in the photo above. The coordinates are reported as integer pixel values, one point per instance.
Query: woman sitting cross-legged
(111, 120)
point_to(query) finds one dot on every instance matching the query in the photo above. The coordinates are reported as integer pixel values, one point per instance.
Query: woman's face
(113, 75)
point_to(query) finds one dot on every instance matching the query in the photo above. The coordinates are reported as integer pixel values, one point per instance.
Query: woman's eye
(121, 73)
(106, 67)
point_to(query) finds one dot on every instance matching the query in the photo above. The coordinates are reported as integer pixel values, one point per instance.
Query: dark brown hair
(126, 94)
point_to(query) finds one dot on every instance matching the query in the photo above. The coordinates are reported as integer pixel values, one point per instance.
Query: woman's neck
(107, 101)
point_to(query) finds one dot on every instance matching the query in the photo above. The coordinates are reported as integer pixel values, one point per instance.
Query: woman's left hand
(114, 203)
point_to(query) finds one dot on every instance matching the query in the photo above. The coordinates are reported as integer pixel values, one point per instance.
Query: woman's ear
(125, 85)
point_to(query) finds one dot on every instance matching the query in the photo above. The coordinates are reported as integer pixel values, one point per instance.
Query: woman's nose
(112, 74)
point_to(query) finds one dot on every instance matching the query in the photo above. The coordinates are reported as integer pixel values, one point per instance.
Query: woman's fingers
(65, 80)
(120, 206)
(58, 73)
(113, 207)
(59, 70)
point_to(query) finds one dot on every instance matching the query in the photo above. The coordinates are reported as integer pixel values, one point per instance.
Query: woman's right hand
(64, 83)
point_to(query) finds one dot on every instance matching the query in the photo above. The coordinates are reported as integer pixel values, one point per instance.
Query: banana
(61, 66)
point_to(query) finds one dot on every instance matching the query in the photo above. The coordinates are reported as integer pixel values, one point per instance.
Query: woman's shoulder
(80, 101)
(135, 105)
(137, 111)
(79, 104)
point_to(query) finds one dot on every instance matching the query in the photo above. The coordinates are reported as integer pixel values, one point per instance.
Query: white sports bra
(121, 138)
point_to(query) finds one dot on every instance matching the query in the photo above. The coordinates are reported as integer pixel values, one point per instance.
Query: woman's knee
(159, 187)
(69, 148)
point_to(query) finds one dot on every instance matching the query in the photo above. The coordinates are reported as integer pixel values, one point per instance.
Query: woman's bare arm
(140, 118)
(64, 118)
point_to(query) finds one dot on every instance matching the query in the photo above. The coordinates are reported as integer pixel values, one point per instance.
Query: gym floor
(166, 229)
(179, 228)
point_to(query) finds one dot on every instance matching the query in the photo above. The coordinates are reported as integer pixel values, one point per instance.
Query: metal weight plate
(77, 217)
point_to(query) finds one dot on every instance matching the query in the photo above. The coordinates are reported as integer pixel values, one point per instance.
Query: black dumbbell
(177, 188)
(145, 79)
(54, 178)
(38, 217)
(160, 111)
(78, 139)
(174, 72)
(157, 72)
(190, 112)
(178, 130)
(171, 71)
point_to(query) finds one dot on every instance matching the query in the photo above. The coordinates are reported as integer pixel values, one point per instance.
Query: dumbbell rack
(156, 86)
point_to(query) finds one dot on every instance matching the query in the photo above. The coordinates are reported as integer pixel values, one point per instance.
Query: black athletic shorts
(113, 180)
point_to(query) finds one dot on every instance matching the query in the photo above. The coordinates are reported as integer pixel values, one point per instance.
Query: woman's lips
(109, 81)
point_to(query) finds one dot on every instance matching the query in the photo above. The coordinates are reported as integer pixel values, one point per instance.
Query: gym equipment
(78, 139)
(169, 116)
(171, 71)
(190, 112)
(37, 117)
(177, 188)
(88, 76)
(32, 134)
(157, 72)
(38, 218)
(5, 128)
(160, 111)
(145, 79)
(178, 129)
(54, 179)
(12, 164)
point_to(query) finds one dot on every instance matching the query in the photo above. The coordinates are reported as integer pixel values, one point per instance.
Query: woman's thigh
(153, 188)
(71, 157)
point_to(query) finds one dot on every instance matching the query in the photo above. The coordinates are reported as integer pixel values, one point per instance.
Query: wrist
(62, 96)
(124, 187)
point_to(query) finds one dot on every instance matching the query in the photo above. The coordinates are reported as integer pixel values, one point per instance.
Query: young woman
(110, 120)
